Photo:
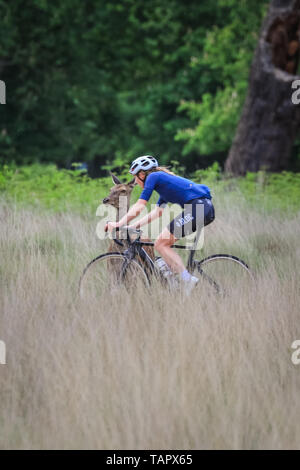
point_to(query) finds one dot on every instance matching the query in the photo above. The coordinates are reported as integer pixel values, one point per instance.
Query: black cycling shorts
(197, 213)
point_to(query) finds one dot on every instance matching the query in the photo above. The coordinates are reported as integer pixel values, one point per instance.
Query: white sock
(185, 275)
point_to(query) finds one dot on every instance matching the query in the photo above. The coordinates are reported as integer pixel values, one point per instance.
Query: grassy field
(154, 370)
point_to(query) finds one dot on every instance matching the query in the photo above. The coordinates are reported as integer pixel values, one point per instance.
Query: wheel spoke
(224, 273)
(110, 273)
(210, 280)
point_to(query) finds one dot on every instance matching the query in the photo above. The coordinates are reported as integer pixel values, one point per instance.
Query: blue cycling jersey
(173, 188)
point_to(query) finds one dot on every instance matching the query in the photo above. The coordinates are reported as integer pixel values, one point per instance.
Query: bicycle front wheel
(224, 273)
(109, 273)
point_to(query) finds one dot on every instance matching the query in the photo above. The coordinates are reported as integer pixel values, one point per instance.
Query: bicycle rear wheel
(224, 273)
(109, 273)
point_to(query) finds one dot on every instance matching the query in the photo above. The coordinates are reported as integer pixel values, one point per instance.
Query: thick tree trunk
(270, 121)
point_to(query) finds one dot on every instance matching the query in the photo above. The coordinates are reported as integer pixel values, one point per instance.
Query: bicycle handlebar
(127, 230)
(136, 231)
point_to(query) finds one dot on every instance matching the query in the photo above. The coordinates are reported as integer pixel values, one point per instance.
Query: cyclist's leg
(163, 245)
(179, 227)
(195, 216)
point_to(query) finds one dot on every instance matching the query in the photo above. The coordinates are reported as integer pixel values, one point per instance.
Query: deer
(117, 191)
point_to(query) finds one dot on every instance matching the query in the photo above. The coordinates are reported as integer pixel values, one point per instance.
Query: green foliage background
(45, 187)
(103, 82)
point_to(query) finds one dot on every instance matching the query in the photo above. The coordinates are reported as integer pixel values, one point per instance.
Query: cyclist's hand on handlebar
(110, 226)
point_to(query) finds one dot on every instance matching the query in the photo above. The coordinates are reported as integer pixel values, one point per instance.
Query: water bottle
(163, 267)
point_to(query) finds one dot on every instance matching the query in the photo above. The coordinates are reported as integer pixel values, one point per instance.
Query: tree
(222, 67)
(270, 120)
(97, 81)
(101, 82)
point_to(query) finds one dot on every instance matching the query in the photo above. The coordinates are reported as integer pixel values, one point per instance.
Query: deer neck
(120, 213)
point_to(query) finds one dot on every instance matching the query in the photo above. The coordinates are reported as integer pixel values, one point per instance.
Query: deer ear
(132, 183)
(115, 179)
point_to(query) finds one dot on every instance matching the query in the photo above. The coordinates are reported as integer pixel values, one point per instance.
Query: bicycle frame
(135, 248)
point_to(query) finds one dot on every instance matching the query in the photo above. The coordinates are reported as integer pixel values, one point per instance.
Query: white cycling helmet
(145, 163)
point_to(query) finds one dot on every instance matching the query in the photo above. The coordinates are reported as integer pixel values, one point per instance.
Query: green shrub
(46, 187)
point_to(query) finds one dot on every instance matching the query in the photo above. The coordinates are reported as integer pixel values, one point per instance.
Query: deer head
(118, 191)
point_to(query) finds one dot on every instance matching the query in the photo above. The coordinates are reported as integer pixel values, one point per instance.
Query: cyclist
(195, 199)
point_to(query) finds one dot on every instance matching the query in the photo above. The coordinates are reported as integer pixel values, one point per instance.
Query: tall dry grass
(150, 371)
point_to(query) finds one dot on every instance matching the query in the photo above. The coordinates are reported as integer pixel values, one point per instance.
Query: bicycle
(110, 271)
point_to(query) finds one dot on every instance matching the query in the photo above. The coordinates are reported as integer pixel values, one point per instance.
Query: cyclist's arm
(157, 212)
(133, 212)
